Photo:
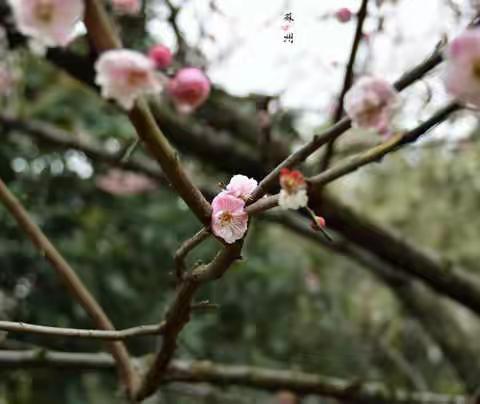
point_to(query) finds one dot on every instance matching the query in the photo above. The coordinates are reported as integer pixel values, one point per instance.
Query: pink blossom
(118, 182)
(370, 104)
(130, 7)
(462, 77)
(343, 14)
(189, 89)
(161, 56)
(229, 219)
(241, 186)
(49, 22)
(293, 194)
(124, 75)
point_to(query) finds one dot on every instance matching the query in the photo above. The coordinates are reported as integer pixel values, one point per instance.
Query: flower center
(137, 78)
(225, 218)
(476, 68)
(44, 10)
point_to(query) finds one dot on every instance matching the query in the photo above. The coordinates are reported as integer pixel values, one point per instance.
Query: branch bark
(71, 281)
(20, 327)
(347, 81)
(246, 376)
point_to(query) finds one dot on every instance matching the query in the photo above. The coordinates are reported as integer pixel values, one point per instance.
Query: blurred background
(293, 302)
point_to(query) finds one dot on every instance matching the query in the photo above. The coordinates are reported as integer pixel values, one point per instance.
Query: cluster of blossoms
(229, 218)
(124, 75)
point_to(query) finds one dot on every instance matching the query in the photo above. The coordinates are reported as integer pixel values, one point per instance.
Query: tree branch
(347, 81)
(72, 282)
(370, 156)
(434, 315)
(246, 376)
(339, 128)
(20, 327)
(104, 38)
(185, 249)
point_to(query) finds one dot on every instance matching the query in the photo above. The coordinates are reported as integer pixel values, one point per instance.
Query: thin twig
(362, 159)
(140, 330)
(178, 314)
(73, 283)
(347, 81)
(340, 127)
(185, 249)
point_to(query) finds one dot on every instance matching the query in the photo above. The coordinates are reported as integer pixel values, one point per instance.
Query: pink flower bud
(319, 223)
(189, 89)
(343, 15)
(161, 56)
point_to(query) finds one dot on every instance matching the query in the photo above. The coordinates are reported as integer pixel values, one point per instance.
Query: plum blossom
(161, 56)
(124, 75)
(127, 7)
(293, 194)
(462, 78)
(189, 89)
(229, 219)
(343, 14)
(370, 104)
(241, 186)
(48, 22)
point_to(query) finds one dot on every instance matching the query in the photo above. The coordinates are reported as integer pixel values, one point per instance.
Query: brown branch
(72, 282)
(340, 127)
(370, 156)
(378, 152)
(434, 314)
(347, 81)
(104, 38)
(185, 249)
(140, 330)
(178, 315)
(246, 376)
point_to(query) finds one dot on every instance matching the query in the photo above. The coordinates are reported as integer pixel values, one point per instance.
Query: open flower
(462, 77)
(293, 194)
(48, 22)
(370, 104)
(189, 89)
(124, 75)
(241, 186)
(161, 56)
(128, 7)
(229, 219)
